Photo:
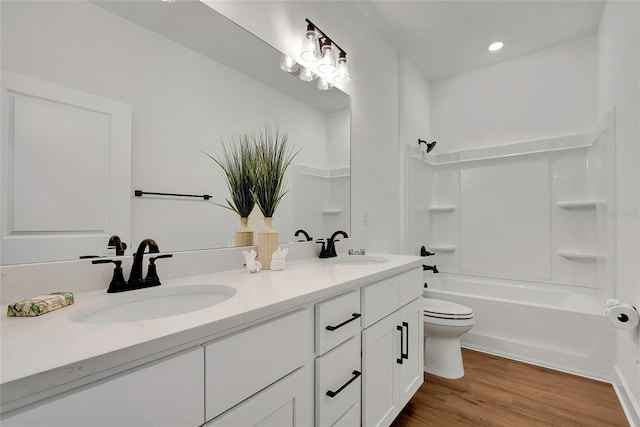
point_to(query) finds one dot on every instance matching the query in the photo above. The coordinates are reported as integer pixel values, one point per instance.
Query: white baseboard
(629, 404)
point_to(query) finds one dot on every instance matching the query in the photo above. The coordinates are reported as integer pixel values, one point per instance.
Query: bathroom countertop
(49, 351)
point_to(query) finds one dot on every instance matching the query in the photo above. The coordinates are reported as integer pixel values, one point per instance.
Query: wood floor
(502, 392)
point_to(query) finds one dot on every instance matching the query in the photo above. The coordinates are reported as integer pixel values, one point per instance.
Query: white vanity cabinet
(168, 392)
(392, 346)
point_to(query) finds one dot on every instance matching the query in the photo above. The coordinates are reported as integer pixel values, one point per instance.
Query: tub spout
(429, 267)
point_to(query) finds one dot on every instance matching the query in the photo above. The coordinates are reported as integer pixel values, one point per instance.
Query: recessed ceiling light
(495, 46)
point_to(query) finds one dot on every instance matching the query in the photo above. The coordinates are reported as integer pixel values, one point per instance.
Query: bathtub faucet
(432, 268)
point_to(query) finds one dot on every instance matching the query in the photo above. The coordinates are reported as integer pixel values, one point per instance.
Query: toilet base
(443, 357)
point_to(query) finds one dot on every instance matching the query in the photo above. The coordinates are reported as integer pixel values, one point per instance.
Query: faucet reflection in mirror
(318, 48)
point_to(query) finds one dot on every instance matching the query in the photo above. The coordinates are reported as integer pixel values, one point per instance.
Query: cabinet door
(287, 403)
(165, 393)
(380, 354)
(411, 374)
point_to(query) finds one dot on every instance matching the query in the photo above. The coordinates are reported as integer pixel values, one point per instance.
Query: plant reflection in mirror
(238, 163)
(273, 158)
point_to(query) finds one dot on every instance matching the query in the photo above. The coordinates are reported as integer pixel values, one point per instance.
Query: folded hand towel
(40, 305)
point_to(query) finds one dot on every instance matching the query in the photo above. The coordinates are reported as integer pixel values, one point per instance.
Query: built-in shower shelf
(577, 204)
(331, 211)
(442, 208)
(578, 255)
(442, 248)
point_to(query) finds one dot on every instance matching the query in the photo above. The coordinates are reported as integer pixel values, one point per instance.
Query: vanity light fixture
(319, 48)
(322, 84)
(306, 74)
(495, 46)
(328, 61)
(310, 51)
(343, 74)
(288, 64)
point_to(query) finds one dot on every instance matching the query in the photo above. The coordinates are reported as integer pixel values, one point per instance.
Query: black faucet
(306, 235)
(425, 252)
(428, 267)
(116, 243)
(331, 243)
(136, 268)
(118, 284)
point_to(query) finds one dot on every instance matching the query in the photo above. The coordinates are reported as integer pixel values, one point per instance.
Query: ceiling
(448, 37)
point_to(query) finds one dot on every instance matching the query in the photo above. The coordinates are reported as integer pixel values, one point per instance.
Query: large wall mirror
(166, 81)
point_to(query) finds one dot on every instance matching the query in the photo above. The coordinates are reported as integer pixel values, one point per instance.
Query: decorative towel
(40, 305)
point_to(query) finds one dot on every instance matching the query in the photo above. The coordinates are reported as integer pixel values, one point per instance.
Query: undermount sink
(358, 260)
(152, 303)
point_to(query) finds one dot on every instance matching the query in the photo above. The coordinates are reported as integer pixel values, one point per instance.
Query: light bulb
(343, 75)
(309, 50)
(306, 74)
(288, 64)
(495, 46)
(323, 84)
(328, 61)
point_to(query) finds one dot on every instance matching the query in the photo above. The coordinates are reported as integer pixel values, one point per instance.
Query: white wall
(547, 93)
(414, 116)
(182, 102)
(374, 101)
(619, 87)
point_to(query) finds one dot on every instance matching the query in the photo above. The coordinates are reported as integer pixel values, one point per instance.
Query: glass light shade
(343, 75)
(306, 74)
(328, 61)
(322, 84)
(309, 50)
(288, 64)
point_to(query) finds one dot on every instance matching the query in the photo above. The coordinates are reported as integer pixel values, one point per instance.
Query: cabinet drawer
(383, 298)
(338, 372)
(379, 300)
(337, 320)
(243, 364)
(411, 284)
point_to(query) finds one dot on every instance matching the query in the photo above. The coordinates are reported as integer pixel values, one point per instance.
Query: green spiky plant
(273, 158)
(238, 163)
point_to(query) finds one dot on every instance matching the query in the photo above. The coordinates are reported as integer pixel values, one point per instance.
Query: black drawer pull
(399, 360)
(333, 328)
(332, 394)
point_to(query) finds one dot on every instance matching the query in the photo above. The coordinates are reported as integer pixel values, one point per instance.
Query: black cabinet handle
(405, 355)
(332, 394)
(333, 328)
(401, 329)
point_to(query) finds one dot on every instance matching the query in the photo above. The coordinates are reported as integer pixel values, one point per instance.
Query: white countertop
(44, 352)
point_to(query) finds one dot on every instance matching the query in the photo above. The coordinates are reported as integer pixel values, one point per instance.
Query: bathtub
(532, 322)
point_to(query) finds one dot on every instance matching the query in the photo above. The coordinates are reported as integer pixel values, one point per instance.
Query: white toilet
(444, 323)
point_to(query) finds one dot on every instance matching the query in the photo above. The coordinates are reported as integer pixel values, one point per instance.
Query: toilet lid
(446, 309)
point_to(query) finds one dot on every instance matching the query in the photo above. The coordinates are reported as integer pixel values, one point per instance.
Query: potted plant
(273, 156)
(238, 163)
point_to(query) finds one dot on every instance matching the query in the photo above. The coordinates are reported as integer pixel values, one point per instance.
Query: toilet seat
(446, 310)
